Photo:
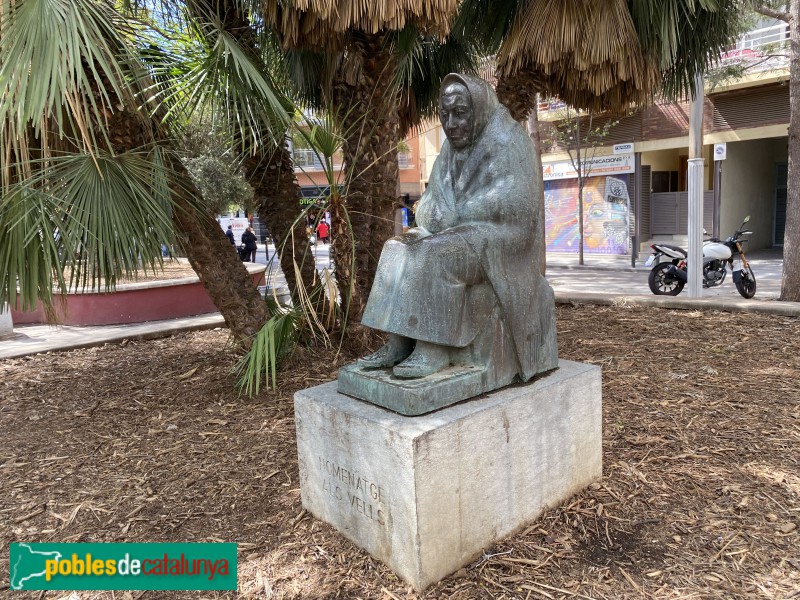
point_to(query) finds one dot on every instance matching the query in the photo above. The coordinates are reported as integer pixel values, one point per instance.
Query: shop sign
(615, 164)
(623, 148)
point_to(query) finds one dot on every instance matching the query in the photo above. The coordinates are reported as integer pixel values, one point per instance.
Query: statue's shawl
(492, 205)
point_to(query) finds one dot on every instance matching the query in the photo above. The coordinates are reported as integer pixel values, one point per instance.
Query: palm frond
(321, 24)
(584, 52)
(32, 249)
(311, 74)
(275, 340)
(320, 132)
(280, 335)
(98, 218)
(485, 23)
(604, 55)
(63, 65)
(687, 37)
(212, 73)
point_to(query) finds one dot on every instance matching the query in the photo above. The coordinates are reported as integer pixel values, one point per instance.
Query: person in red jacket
(323, 230)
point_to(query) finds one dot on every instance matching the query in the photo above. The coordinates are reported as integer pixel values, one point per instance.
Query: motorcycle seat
(672, 247)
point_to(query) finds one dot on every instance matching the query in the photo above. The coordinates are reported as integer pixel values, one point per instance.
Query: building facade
(745, 131)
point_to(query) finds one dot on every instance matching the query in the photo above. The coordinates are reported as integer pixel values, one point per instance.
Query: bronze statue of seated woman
(463, 289)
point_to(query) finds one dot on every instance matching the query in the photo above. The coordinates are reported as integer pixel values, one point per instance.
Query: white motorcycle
(668, 278)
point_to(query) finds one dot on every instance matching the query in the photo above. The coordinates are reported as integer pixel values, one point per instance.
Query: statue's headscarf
(484, 100)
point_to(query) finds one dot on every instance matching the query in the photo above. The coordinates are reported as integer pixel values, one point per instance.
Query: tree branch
(775, 14)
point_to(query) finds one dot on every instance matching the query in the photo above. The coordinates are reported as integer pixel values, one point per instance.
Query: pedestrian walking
(323, 230)
(250, 245)
(229, 235)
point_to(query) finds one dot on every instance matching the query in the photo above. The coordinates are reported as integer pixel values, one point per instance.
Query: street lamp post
(695, 188)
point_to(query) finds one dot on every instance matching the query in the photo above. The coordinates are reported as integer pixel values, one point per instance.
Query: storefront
(607, 205)
(313, 195)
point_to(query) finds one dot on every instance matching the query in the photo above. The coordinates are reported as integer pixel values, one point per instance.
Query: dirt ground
(700, 496)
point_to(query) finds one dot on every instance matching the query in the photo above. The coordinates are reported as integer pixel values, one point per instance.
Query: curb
(774, 307)
(629, 269)
(147, 332)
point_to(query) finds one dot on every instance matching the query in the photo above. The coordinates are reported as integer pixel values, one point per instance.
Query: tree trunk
(270, 171)
(221, 272)
(368, 110)
(581, 183)
(217, 266)
(278, 206)
(536, 136)
(342, 248)
(518, 95)
(790, 283)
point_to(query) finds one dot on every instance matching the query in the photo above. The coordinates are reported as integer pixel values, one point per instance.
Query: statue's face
(455, 113)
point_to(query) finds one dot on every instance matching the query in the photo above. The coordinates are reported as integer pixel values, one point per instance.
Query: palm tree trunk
(370, 158)
(342, 250)
(536, 136)
(790, 282)
(581, 183)
(270, 172)
(518, 95)
(217, 266)
(221, 272)
(277, 204)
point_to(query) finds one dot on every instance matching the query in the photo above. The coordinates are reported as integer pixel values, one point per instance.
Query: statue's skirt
(432, 289)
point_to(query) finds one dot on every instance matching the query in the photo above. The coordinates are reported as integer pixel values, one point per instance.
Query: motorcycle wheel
(746, 284)
(662, 283)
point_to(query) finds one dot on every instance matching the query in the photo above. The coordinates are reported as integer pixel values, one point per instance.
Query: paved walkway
(602, 280)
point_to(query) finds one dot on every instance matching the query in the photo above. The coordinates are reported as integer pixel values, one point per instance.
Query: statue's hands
(415, 233)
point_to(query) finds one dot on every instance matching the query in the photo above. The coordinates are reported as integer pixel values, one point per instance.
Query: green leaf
(98, 218)
(64, 61)
(276, 339)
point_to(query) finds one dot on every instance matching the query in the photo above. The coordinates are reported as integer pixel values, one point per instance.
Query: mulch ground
(700, 496)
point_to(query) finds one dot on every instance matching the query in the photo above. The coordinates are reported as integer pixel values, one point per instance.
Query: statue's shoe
(387, 356)
(422, 364)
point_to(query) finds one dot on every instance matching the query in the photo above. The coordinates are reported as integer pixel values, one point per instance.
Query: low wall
(132, 302)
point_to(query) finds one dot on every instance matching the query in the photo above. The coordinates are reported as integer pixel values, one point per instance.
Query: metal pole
(695, 189)
(717, 196)
(637, 201)
(695, 272)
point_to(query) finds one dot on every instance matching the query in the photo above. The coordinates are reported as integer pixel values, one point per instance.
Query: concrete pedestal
(6, 324)
(426, 494)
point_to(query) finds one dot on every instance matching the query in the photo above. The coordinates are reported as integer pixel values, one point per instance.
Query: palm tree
(361, 38)
(82, 159)
(267, 161)
(598, 56)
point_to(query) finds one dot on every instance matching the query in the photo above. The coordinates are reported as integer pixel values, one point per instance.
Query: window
(304, 158)
(307, 160)
(664, 181)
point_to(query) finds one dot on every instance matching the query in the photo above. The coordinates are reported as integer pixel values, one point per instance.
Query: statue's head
(456, 115)
(465, 105)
